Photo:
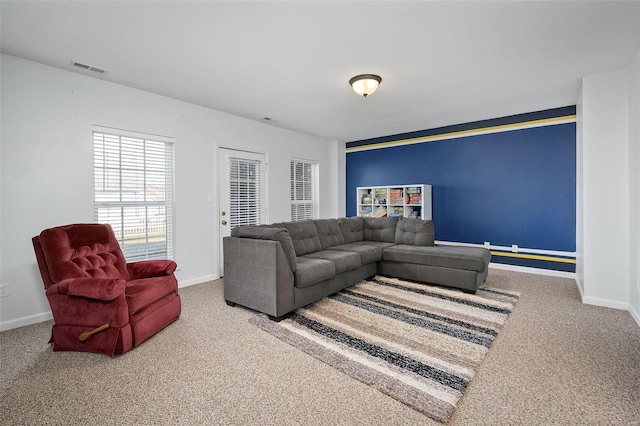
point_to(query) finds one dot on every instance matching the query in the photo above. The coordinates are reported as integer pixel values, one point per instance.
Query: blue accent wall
(510, 187)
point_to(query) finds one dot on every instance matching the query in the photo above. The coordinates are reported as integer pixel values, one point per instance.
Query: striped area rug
(419, 344)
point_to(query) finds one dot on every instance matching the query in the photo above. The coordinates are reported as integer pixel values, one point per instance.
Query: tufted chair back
(85, 250)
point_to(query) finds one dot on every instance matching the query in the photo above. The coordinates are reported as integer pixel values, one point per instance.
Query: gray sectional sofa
(278, 268)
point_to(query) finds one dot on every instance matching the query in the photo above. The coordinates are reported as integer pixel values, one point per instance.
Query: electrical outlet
(5, 290)
(514, 248)
(487, 244)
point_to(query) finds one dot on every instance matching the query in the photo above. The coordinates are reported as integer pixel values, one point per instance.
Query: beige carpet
(555, 361)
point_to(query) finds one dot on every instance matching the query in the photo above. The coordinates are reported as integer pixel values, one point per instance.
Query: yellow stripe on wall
(533, 256)
(470, 132)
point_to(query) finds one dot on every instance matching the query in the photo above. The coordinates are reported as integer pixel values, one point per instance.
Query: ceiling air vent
(88, 67)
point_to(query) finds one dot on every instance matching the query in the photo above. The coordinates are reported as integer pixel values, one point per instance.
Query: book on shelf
(414, 195)
(415, 199)
(415, 213)
(396, 196)
(380, 212)
(380, 196)
(366, 210)
(395, 212)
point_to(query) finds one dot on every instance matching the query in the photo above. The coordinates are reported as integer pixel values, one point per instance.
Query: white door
(242, 177)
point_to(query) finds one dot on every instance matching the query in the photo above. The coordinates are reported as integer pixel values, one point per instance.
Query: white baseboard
(529, 270)
(198, 280)
(606, 303)
(21, 322)
(586, 300)
(46, 316)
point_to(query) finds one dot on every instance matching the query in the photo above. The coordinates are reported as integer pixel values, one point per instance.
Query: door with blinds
(242, 177)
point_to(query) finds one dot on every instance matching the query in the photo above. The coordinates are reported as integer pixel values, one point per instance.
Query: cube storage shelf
(409, 201)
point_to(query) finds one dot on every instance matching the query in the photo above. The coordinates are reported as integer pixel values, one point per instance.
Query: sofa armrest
(105, 289)
(274, 234)
(151, 268)
(257, 275)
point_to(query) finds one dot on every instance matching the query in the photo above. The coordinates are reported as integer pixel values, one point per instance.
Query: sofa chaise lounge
(275, 269)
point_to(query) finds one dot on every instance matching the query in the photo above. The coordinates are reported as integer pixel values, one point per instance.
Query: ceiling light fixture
(365, 84)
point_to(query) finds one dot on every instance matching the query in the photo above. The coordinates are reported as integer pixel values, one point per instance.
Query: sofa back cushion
(269, 233)
(415, 232)
(329, 232)
(235, 231)
(351, 228)
(304, 236)
(380, 229)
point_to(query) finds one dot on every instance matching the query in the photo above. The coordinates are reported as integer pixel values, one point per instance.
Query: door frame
(219, 191)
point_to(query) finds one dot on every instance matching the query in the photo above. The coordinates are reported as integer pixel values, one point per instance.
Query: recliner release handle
(84, 336)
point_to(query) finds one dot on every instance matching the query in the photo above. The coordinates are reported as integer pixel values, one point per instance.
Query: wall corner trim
(634, 314)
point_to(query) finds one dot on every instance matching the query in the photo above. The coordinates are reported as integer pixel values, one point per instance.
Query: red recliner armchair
(101, 303)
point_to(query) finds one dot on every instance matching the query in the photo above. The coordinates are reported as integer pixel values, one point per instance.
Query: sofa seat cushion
(368, 253)
(381, 244)
(469, 258)
(311, 271)
(344, 261)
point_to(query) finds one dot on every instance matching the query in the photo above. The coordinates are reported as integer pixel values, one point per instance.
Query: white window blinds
(244, 192)
(134, 181)
(304, 190)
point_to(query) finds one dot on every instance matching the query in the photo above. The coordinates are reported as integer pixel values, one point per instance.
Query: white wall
(605, 186)
(47, 175)
(634, 188)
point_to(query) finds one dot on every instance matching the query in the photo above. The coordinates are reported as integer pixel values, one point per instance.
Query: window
(133, 191)
(244, 192)
(304, 190)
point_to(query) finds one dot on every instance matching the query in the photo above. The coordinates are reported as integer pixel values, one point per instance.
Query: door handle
(224, 222)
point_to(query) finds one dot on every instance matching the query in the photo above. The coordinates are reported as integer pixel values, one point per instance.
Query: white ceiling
(441, 62)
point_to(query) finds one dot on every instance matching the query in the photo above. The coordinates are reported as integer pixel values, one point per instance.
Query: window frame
(156, 170)
(314, 200)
